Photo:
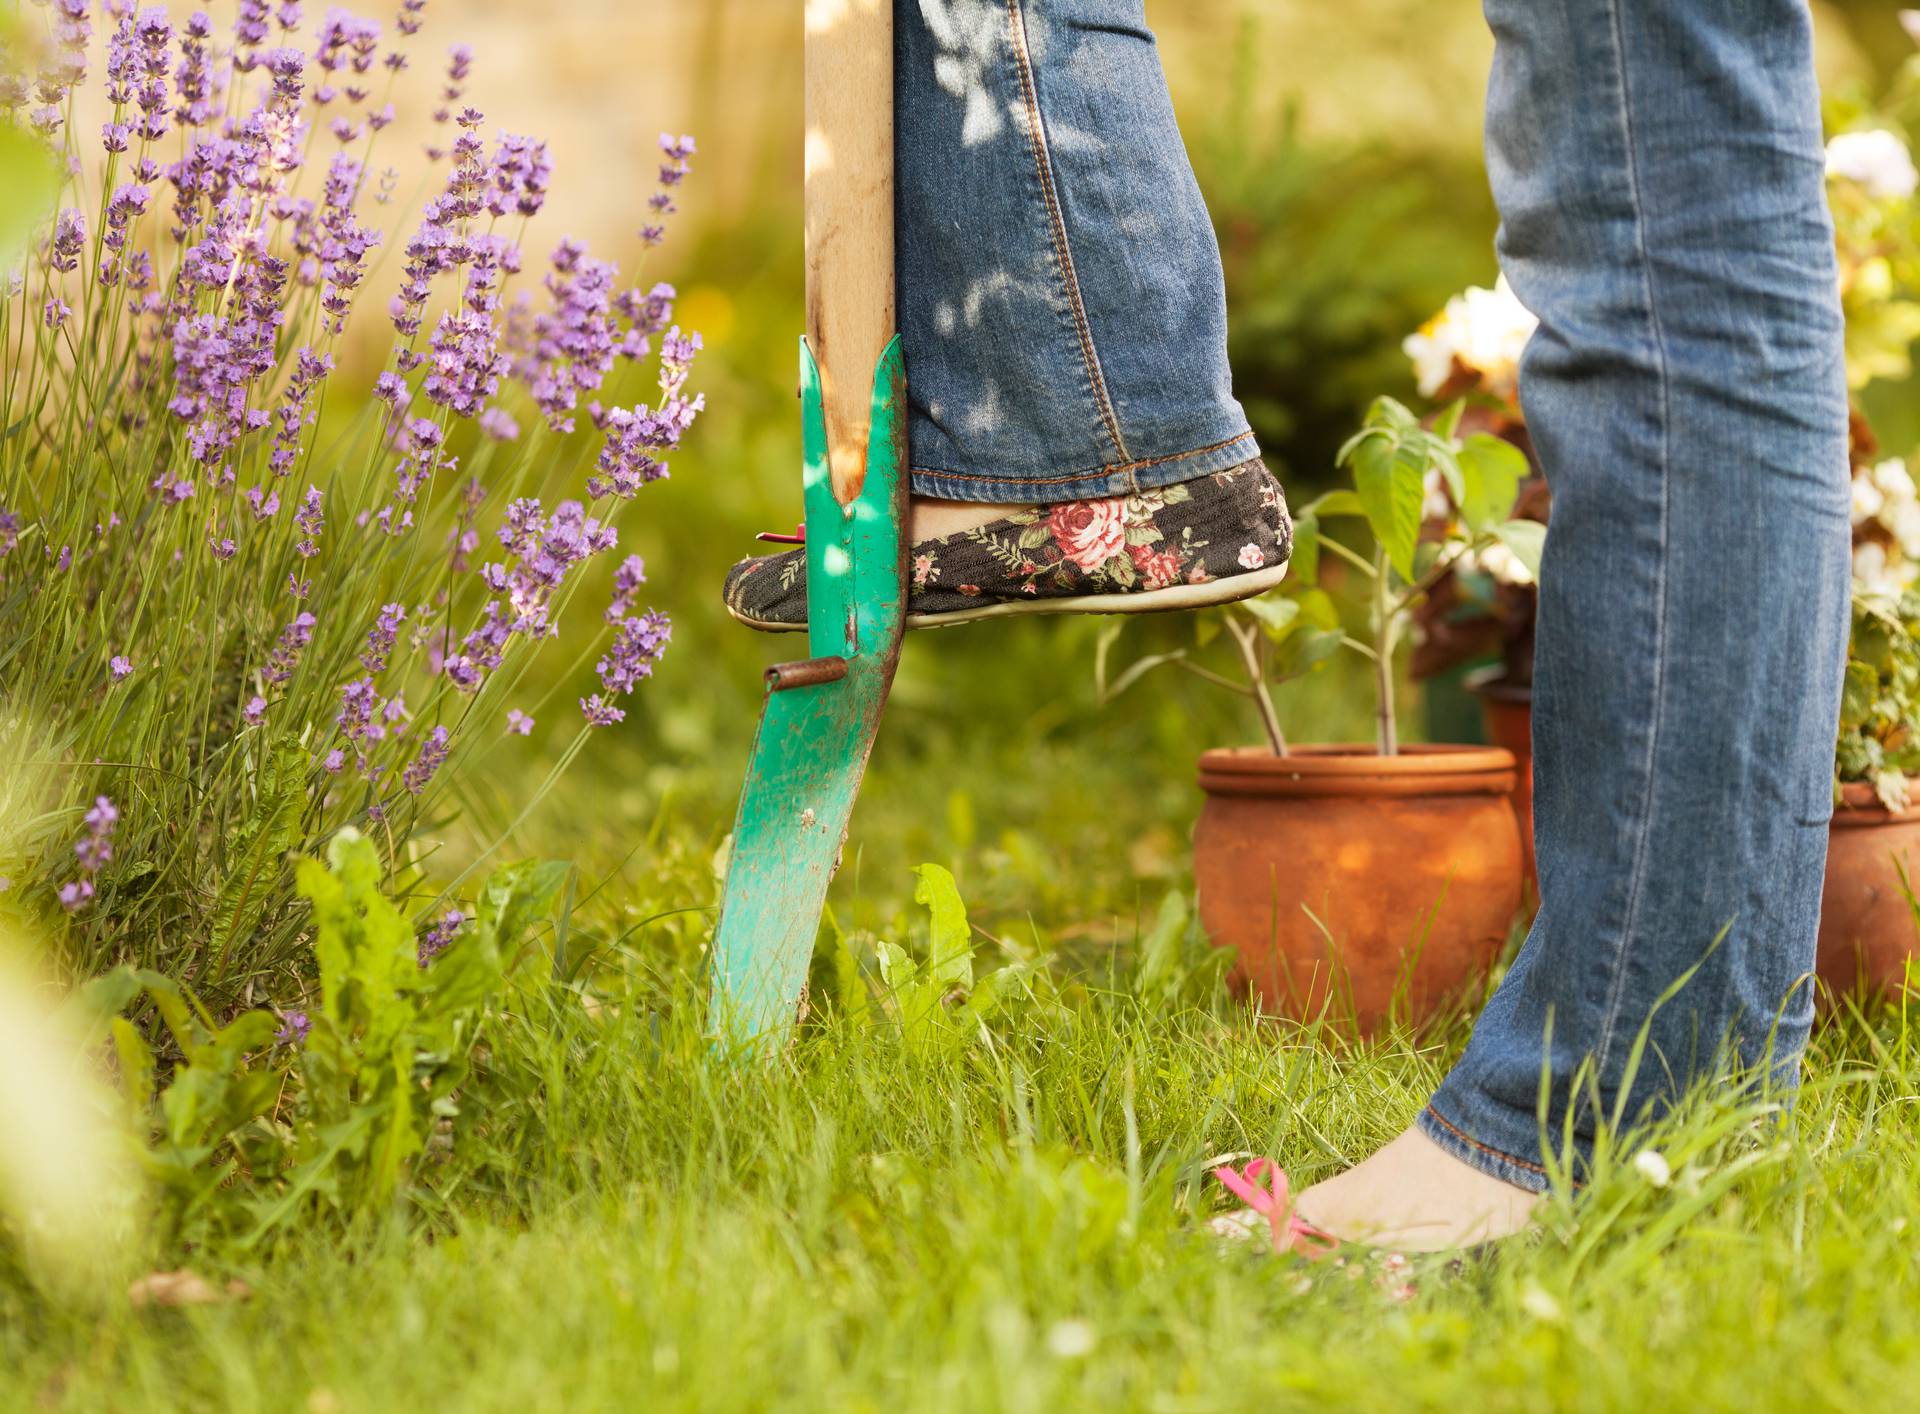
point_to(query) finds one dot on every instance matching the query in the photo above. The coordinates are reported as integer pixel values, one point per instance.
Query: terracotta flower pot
(1411, 862)
(1508, 710)
(1867, 931)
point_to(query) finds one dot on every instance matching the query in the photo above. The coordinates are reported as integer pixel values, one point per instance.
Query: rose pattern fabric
(1228, 523)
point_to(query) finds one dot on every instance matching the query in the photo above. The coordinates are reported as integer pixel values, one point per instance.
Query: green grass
(1016, 1224)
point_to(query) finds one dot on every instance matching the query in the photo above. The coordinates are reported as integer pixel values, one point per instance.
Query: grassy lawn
(1006, 1217)
(1014, 1222)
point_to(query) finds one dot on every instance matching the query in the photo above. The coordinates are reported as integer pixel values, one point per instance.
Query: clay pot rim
(1493, 684)
(1358, 769)
(1860, 809)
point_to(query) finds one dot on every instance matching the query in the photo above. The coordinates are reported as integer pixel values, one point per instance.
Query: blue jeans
(1659, 172)
(1061, 304)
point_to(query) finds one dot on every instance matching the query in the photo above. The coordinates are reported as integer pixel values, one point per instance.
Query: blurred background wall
(1338, 146)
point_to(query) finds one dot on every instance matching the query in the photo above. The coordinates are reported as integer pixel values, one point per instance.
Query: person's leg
(1659, 173)
(1064, 322)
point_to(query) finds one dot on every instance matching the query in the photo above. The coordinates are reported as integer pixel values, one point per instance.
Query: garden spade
(821, 714)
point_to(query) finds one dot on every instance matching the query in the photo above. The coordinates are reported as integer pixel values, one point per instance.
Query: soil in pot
(1347, 878)
(1867, 929)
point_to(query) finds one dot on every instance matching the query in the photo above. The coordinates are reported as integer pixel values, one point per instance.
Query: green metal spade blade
(819, 722)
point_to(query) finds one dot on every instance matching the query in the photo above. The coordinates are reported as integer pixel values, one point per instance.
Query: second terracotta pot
(1508, 710)
(1341, 875)
(1867, 929)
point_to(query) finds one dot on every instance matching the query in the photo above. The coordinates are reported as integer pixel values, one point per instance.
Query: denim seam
(1057, 225)
(1465, 1138)
(1636, 887)
(1123, 469)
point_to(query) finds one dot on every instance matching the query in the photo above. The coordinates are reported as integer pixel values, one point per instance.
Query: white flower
(1877, 159)
(1539, 1303)
(1072, 1338)
(1893, 478)
(1486, 330)
(1870, 572)
(1867, 500)
(1499, 564)
(1251, 558)
(1905, 525)
(1652, 1166)
(1910, 22)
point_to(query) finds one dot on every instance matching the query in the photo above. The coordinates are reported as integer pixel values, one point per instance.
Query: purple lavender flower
(292, 642)
(432, 756)
(69, 235)
(295, 1027)
(255, 712)
(380, 638)
(120, 667)
(519, 176)
(358, 701)
(249, 33)
(519, 723)
(93, 850)
(465, 367)
(152, 38)
(195, 79)
(498, 424)
(440, 936)
(637, 645)
(311, 520)
(9, 532)
(55, 313)
(334, 760)
(626, 586)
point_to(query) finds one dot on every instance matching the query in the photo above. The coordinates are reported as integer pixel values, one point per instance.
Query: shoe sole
(1175, 598)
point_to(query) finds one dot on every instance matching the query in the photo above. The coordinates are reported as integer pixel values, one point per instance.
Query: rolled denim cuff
(1090, 482)
(1487, 1136)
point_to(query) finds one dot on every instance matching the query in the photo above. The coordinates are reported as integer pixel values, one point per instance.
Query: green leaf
(1334, 503)
(950, 952)
(1389, 478)
(1305, 651)
(136, 1066)
(1448, 422)
(516, 897)
(1492, 470)
(30, 177)
(1526, 538)
(1306, 549)
(1317, 608)
(1275, 613)
(850, 986)
(1856, 701)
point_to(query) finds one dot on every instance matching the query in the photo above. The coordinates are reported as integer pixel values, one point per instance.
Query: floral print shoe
(1221, 538)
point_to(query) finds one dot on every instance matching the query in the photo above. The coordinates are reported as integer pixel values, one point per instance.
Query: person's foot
(1221, 538)
(1413, 1196)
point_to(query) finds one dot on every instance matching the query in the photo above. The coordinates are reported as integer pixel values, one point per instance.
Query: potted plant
(1352, 876)
(1474, 628)
(1867, 926)
(1867, 919)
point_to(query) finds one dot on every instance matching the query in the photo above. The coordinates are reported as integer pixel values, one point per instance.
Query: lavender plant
(251, 591)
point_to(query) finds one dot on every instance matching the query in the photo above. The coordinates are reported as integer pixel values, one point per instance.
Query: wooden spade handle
(849, 157)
